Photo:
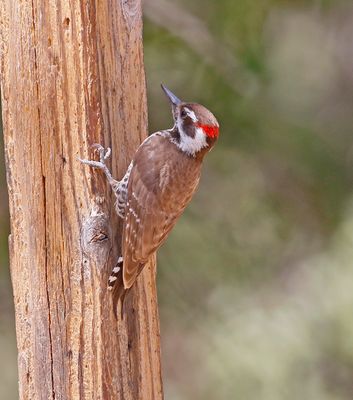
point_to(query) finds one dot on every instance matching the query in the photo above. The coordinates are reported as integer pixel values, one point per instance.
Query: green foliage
(255, 279)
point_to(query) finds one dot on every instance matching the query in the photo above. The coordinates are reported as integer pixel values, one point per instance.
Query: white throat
(192, 145)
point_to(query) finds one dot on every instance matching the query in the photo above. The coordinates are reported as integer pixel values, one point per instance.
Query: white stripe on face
(191, 114)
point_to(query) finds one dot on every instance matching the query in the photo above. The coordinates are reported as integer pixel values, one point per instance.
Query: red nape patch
(211, 131)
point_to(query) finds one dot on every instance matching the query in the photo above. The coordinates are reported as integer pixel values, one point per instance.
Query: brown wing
(157, 195)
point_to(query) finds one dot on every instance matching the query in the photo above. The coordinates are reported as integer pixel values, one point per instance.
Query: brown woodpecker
(158, 184)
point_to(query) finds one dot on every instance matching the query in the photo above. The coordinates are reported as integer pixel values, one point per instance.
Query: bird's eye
(183, 114)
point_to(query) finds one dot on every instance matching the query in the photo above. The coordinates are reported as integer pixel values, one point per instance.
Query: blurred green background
(255, 282)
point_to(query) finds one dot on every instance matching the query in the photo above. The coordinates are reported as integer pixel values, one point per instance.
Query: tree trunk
(72, 75)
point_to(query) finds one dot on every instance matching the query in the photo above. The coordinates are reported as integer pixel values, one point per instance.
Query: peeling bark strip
(72, 75)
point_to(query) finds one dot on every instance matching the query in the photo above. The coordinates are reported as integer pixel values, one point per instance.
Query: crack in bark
(99, 237)
(48, 297)
(44, 195)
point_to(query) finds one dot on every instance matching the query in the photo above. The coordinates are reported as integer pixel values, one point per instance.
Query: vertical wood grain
(72, 75)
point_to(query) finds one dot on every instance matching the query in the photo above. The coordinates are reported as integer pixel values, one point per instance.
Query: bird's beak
(171, 96)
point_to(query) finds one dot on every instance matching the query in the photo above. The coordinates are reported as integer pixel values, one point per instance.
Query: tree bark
(72, 75)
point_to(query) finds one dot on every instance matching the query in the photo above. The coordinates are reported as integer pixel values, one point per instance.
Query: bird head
(196, 129)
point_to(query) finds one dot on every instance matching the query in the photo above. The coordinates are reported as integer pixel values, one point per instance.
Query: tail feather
(116, 285)
(119, 293)
(115, 273)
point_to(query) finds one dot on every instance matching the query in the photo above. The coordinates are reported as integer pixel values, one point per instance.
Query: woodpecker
(158, 184)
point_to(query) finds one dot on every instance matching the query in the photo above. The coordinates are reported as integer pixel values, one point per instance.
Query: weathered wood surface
(72, 75)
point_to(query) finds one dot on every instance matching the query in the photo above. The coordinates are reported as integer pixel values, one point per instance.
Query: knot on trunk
(96, 237)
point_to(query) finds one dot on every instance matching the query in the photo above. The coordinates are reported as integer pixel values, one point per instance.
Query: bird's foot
(104, 154)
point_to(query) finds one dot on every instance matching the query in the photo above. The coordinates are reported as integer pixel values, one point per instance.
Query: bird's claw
(104, 154)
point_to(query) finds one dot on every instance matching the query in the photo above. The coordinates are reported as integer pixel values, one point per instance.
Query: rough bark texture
(72, 75)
